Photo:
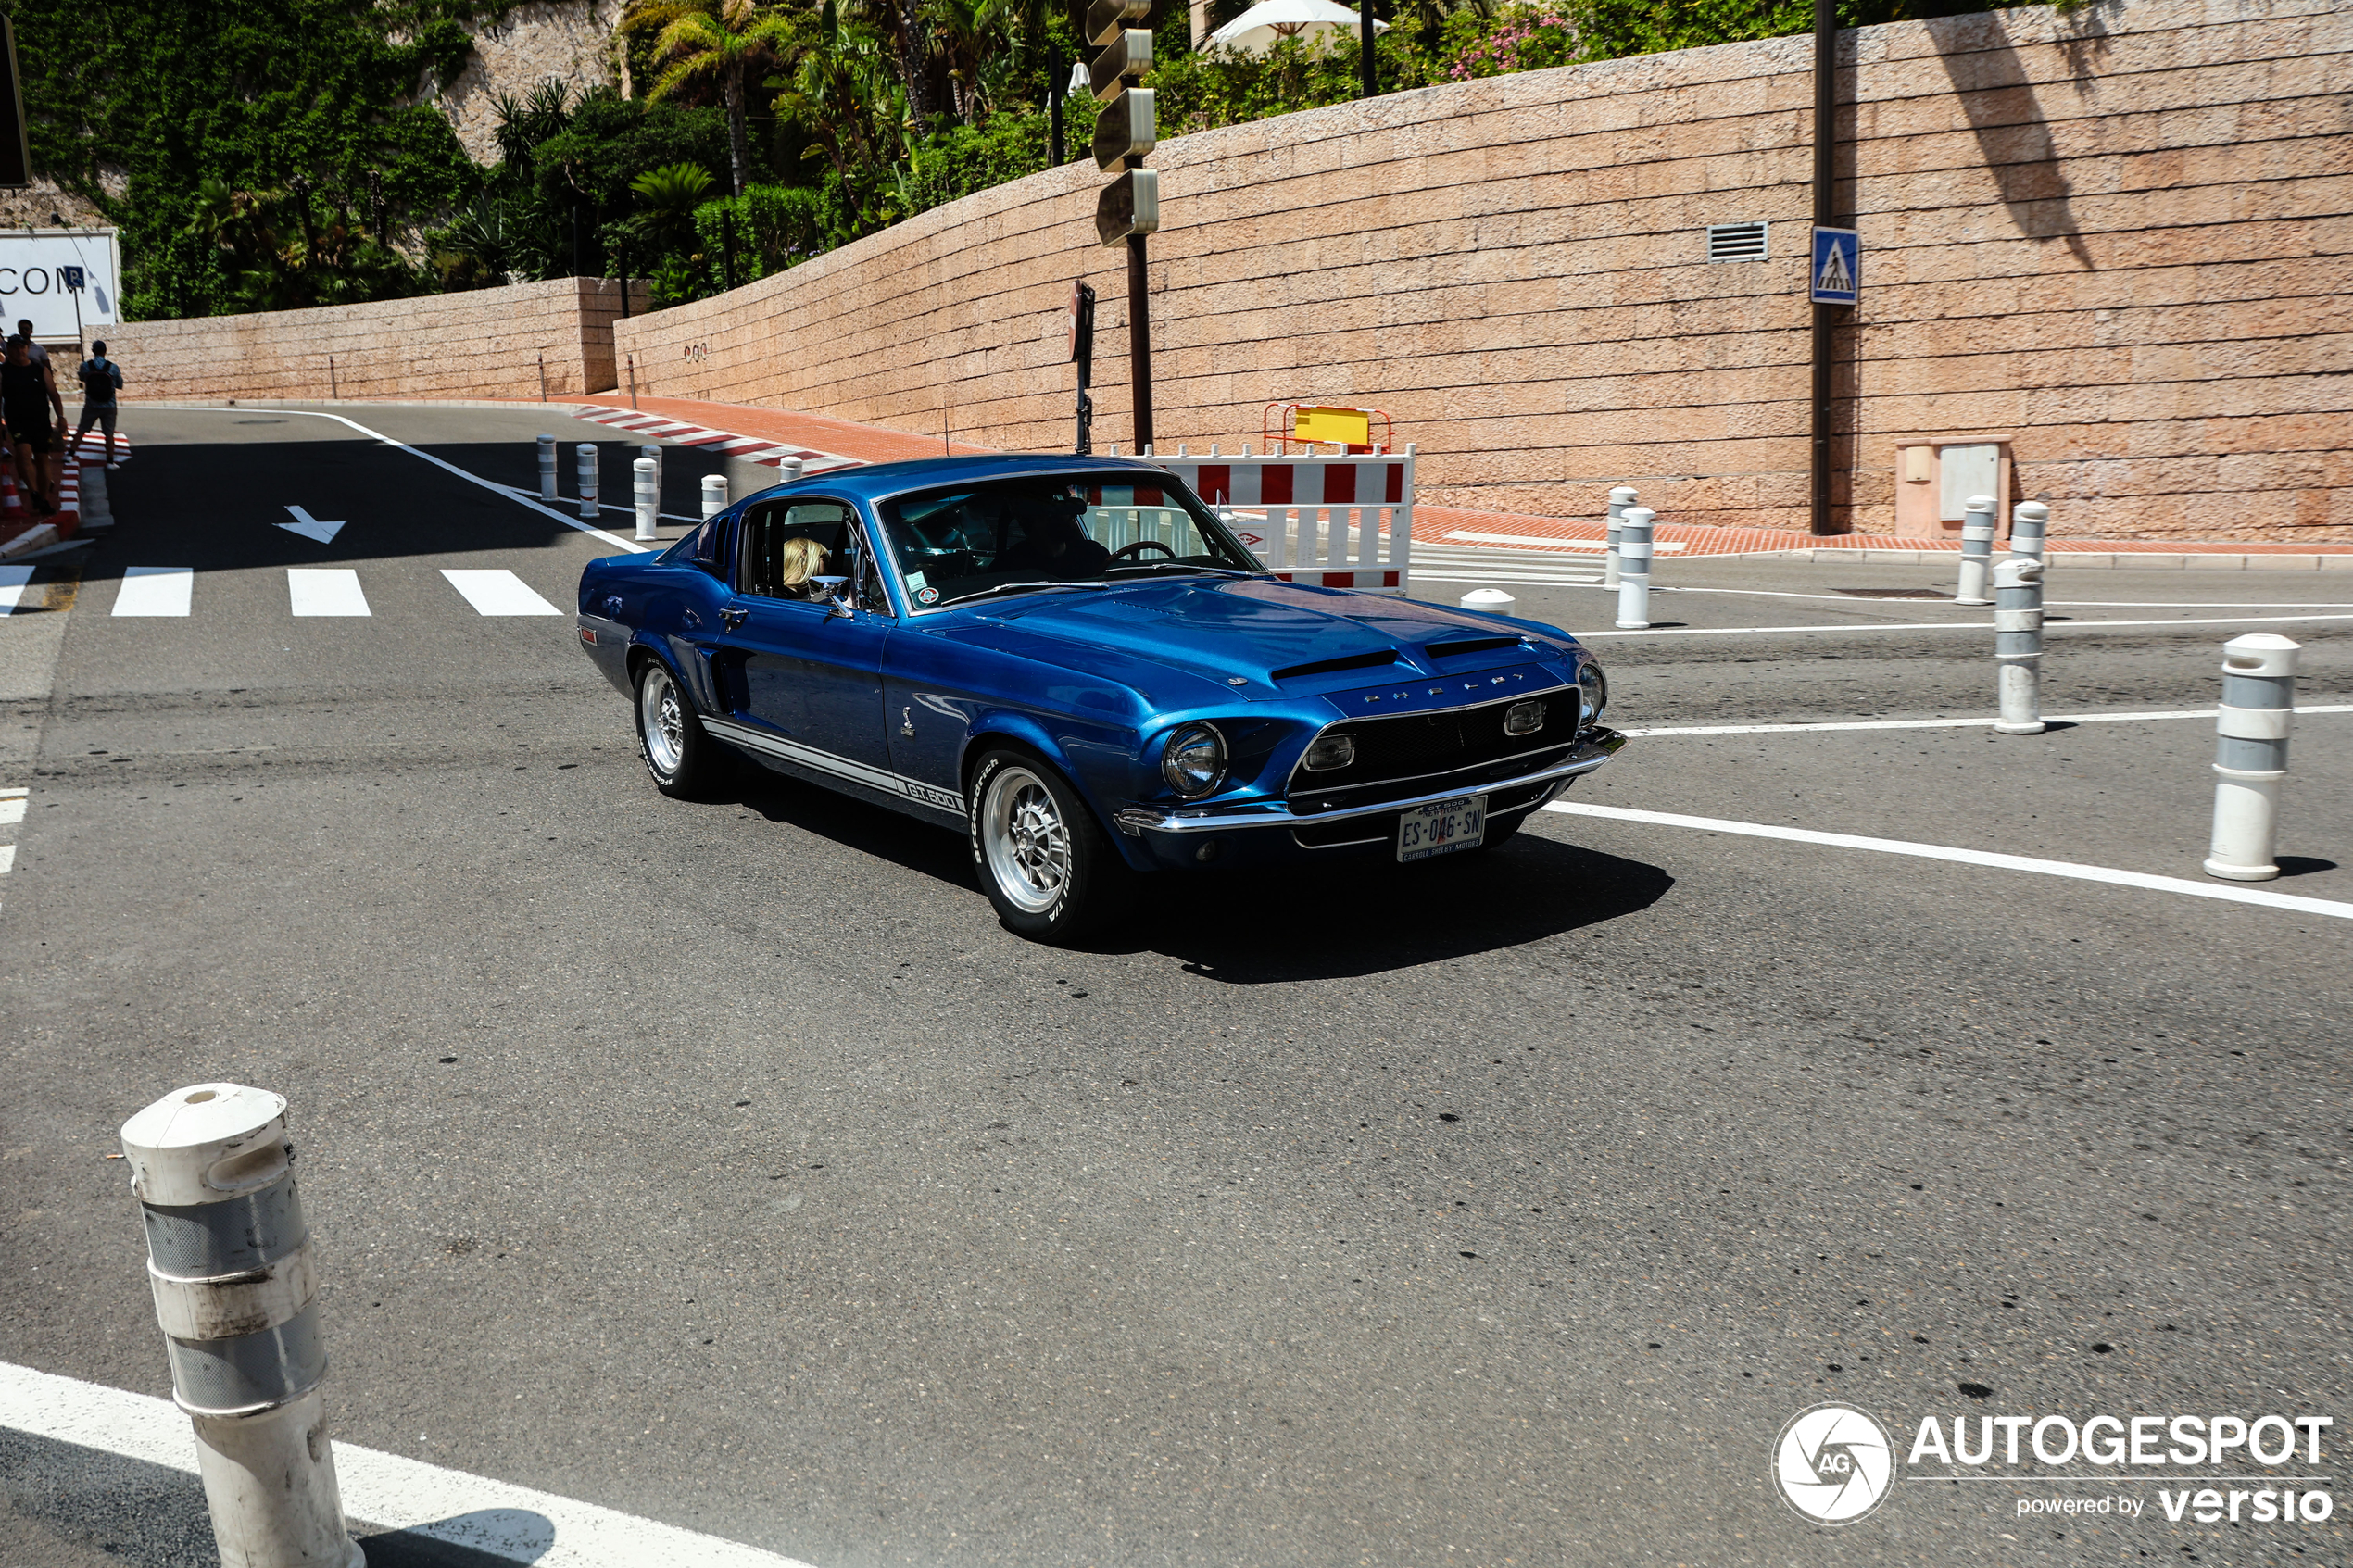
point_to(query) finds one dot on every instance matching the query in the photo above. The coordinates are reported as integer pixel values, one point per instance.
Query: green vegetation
(269, 154)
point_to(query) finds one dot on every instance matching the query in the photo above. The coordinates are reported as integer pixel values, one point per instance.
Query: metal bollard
(2250, 755)
(2017, 646)
(646, 472)
(1619, 499)
(587, 479)
(1976, 550)
(2030, 524)
(548, 470)
(714, 494)
(236, 1293)
(1490, 601)
(1634, 570)
(97, 511)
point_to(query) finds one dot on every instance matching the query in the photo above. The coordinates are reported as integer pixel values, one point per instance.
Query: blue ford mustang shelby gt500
(1094, 688)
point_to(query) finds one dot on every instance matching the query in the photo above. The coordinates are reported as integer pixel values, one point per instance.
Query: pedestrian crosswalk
(311, 591)
(1482, 565)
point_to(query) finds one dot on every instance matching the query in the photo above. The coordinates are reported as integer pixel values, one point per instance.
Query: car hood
(1274, 639)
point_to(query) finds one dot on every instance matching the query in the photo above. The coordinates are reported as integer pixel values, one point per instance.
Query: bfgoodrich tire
(684, 761)
(1047, 866)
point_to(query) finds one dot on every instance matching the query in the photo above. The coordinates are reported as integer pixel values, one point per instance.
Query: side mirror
(837, 590)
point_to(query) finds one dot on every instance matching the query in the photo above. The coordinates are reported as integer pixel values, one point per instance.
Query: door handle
(732, 618)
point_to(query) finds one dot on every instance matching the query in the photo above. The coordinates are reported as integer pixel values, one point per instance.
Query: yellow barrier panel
(1349, 427)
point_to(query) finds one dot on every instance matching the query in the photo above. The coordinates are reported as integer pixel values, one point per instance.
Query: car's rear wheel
(683, 761)
(1048, 867)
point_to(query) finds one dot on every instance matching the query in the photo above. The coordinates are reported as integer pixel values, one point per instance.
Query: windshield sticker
(926, 595)
(915, 581)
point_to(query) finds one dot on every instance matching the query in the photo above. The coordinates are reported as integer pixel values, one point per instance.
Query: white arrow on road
(310, 527)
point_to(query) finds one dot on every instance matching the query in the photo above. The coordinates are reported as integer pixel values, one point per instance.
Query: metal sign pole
(1824, 129)
(1139, 342)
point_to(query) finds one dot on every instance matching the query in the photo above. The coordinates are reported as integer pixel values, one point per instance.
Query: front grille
(1382, 829)
(1416, 753)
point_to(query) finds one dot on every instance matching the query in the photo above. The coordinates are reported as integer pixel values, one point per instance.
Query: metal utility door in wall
(1964, 471)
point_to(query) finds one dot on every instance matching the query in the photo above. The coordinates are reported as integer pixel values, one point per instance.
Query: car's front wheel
(1048, 867)
(682, 759)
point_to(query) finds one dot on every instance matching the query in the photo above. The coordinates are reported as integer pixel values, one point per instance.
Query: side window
(786, 543)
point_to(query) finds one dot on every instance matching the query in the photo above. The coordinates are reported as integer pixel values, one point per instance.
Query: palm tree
(671, 194)
(704, 41)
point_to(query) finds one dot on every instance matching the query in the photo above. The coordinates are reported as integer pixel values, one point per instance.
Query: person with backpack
(101, 378)
(28, 392)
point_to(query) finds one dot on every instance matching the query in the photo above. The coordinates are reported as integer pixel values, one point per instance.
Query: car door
(806, 676)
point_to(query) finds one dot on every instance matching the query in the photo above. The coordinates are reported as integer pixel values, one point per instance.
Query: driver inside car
(1054, 542)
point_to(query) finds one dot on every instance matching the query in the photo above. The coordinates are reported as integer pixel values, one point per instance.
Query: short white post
(97, 511)
(2029, 525)
(236, 1293)
(714, 494)
(2017, 646)
(2250, 755)
(1489, 601)
(548, 470)
(647, 496)
(1976, 550)
(653, 449)
(788, 470)
(1634, 570)
(1619, 499)
(588, 479)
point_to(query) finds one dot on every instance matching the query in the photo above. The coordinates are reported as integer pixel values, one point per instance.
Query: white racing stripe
(1949, 724)
(324, 590)
(497, 592)
(156, 590)
(2234, 892)
(512, 1523)
(1972, 625)
(12, 583)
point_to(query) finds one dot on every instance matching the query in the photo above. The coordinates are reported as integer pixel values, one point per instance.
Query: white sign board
(33, 279)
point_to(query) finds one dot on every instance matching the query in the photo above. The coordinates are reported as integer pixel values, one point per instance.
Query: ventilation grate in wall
(1736, 242)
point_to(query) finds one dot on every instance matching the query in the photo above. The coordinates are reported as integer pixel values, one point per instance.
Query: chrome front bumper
(1136, 821)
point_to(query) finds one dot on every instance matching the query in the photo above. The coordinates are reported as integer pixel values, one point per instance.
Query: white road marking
(325, 591)
(511, 1523)
(12, 583)
(12, 806)
(2047, 604)
(310, 527)
(499, 592)
(2234, 892)
(1951, 724)
(156, 590)
(1666, 548)
(1947, 626)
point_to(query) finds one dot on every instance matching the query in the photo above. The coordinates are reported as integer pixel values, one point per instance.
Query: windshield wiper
(1021, 588)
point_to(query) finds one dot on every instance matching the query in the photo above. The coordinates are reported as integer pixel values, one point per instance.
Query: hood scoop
(1469, 646)
(1381, 660)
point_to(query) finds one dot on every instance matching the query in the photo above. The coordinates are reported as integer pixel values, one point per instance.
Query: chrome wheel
(1024, 840)
(662, 718)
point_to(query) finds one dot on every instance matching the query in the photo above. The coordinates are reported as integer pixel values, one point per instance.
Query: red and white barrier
(1339, 521)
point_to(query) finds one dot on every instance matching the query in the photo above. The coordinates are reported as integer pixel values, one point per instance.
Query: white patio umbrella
(1258, 30)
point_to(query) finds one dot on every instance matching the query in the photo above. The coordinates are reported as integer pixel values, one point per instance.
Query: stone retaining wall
(486, 343)
(2117, 236)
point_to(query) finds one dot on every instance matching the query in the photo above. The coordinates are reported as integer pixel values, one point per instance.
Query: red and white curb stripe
(752, 449)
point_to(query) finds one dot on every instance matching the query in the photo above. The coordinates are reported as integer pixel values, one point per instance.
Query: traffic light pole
(1140, 341)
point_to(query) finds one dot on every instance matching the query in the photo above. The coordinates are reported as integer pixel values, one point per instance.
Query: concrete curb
(38, 537)
(2061, 561)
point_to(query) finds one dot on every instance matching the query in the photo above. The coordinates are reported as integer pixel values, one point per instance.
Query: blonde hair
(799, 560)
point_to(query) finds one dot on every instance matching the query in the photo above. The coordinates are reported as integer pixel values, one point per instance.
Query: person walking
(40, 355)
(101, 378)
(28, 393)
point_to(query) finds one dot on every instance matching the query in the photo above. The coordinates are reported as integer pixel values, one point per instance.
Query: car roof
(873, 481)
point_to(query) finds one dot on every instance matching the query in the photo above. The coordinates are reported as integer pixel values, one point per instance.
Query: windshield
(972, 539)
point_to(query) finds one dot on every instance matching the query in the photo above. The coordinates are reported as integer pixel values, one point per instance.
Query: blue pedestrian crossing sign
(1837, 274)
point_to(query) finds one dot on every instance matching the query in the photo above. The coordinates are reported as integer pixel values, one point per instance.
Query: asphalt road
(727, 1164)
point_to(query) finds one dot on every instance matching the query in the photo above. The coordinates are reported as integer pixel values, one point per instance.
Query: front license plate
(1442, 829)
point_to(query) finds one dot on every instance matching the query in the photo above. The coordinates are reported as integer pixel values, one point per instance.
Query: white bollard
(788, 470)
(548, 470)
(647, 474)
(653, 449)
(714, 494)
(1976, 550)
(2017, 646)
(1619, 499)
(1634, 570)
(2250, 755)
(236, 1292)
(97, 509)
(2030, 526)
(1490, 601)
(587, 479)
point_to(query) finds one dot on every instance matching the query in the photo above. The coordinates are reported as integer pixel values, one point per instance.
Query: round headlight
(1593, 686)
(1194, 760)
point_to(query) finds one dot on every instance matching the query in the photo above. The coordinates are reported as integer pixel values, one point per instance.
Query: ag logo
(1833, 1463)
